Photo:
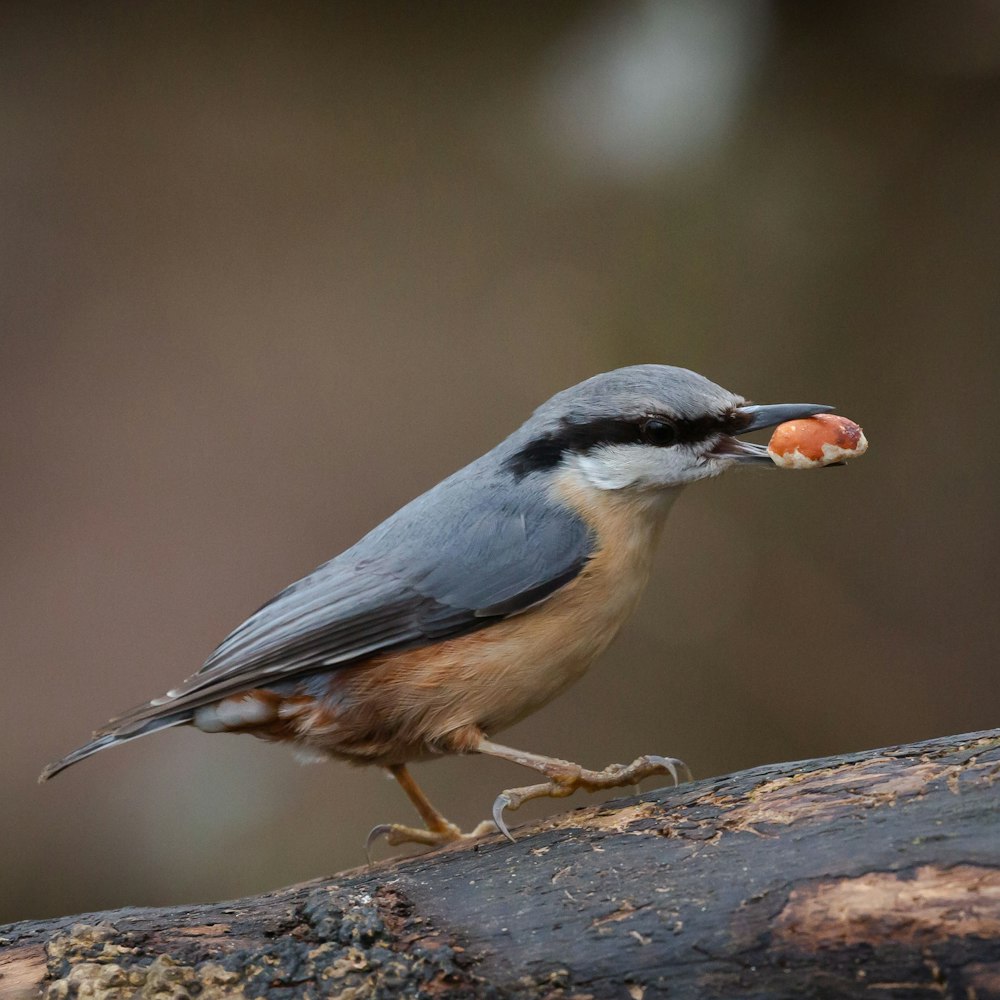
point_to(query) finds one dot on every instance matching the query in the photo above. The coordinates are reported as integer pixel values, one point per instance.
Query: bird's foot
(443, 833)
(566, 778)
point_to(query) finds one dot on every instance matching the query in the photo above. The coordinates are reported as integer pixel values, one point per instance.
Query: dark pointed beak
(758, 417)
(755, 418)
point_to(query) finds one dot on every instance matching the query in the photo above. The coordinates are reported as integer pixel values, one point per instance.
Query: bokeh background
(270, 270)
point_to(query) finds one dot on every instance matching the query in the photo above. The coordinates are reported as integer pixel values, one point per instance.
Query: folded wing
(452, 561)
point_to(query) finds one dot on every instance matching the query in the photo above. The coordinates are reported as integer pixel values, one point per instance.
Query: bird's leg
(438, 830)
(566, 777)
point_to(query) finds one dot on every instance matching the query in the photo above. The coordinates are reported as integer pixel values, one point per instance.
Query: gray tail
(104, 740)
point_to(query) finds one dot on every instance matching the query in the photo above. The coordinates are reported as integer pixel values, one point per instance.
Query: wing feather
(456, 559)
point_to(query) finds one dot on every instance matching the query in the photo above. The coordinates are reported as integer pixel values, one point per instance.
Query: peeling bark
(869, 875)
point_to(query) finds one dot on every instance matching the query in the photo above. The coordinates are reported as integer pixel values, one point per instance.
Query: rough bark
(868, 875)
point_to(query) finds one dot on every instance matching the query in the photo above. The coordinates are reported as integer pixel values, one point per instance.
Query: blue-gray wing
(456, 559)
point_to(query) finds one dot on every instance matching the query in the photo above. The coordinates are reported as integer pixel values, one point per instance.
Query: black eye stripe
(546, 452)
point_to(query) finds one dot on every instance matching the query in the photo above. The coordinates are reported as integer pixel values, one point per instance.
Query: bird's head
(646, 428)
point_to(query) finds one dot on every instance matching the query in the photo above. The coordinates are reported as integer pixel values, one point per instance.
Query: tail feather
(104, 740)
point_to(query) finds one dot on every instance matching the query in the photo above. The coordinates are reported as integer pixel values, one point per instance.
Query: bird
(478, 602)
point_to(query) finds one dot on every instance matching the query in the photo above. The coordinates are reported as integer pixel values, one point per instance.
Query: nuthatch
(478, 602)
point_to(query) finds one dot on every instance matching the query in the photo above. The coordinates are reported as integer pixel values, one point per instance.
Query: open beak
(755, 418)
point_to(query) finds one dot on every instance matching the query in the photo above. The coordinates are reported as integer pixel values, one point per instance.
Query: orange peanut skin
(816, 441)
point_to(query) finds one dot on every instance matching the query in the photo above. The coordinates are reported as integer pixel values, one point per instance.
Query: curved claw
(501, 803)
(670, 765)
(382, 830)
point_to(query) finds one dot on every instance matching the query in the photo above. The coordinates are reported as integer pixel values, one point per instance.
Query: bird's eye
(658, 432)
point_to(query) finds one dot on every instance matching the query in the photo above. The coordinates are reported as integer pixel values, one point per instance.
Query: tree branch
(867, 875)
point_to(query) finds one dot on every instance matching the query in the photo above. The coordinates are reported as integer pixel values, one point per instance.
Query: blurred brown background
(270, 270)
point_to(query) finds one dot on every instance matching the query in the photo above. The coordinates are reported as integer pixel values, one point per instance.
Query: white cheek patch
(617, 467)
(601, 471)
